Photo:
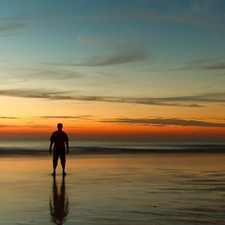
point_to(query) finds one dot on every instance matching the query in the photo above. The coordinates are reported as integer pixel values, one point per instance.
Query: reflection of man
(59, 205)
(60, 139)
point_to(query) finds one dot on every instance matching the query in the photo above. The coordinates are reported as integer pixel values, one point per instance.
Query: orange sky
(98, 131)
(129, 70)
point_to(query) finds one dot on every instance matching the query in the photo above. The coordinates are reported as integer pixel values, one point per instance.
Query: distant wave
(29, 151)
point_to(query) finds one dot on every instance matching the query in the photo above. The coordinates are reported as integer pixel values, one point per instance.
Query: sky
(112, 69)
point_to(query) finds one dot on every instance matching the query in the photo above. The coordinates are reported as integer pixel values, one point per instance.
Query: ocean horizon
(104, 147)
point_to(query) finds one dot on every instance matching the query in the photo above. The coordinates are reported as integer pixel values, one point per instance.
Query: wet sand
(114, 189)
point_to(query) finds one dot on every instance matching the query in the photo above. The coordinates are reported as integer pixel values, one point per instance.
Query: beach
(187, 188)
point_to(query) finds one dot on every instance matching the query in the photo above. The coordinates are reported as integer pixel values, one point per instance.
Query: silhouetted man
(61, 147)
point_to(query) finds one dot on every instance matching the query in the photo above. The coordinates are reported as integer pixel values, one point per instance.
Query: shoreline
(4, 151)
(127, 189)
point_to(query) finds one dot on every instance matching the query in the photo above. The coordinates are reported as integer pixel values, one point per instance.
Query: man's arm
(67, 147)
(50, 147)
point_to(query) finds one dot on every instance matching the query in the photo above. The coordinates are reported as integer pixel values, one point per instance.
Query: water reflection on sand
(59, 203)
(115, 189)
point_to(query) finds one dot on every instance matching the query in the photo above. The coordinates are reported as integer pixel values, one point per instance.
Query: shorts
(56, 155)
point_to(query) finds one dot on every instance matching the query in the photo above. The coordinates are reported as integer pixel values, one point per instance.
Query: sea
(104, 147)
(182, 185)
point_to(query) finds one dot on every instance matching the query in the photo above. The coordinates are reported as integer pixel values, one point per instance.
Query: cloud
(23, 74)
(11, 80)
(178, 15)
(120, 52)
(9, 117)
(118, 58)
(201, 64)
(36, 126)
(203, 13)
(28, 93)
(11, 27)
(107, 60)
(164, 122)
(3, 126)
(53, 74)
(87, 117)
(178, 101)
(36, 22)
(205, 65)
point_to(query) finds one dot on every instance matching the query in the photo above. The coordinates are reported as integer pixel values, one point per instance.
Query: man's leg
(63, 162)
(55, 161)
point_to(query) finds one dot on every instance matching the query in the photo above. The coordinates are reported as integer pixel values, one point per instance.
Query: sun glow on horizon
(113, 72)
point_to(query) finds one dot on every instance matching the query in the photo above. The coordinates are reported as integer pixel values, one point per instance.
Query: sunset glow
(112, 69)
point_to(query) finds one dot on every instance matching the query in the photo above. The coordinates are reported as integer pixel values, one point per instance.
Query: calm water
(38, 147)
(171, 189)
(128, 189)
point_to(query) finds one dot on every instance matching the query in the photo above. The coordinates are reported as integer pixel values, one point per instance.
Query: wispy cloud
(9, 117)
(177, 17)
(23, 74)
(10, 27)
(86, 117)
(114, 59)
(35, 126)
(163, 122)
(204, 13)
(58, 74)
(119, 53)
(200, 64)
(204, 65)
(4, 125)
(28, 93)
(178, 101)
(11, 80)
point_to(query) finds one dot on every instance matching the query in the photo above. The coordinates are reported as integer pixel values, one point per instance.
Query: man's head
(59, 125)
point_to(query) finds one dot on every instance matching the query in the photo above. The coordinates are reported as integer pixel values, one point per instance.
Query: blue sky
(113, 59)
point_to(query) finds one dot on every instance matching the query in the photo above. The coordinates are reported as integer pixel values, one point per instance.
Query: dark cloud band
(177, 101)
(164, 122)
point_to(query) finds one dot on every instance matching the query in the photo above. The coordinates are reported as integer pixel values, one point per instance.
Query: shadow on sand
(59, 204)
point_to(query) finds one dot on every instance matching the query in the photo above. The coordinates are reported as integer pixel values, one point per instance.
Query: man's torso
(59, 138)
